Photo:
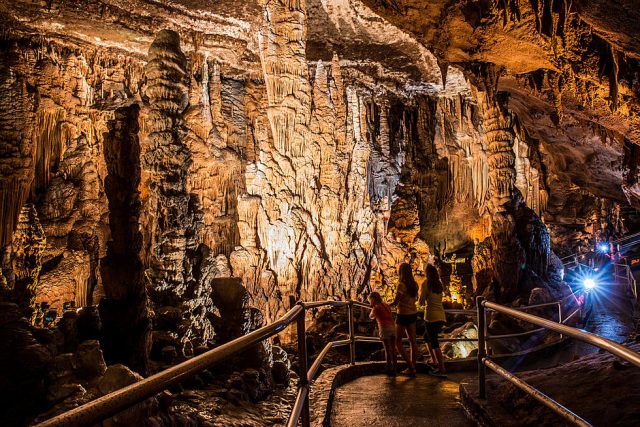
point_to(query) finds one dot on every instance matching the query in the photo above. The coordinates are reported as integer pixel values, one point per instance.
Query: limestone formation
(167, 160)
(301, 149)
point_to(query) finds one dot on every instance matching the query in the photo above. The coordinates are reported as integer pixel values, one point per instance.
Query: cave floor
(612, 318)
(401, 401)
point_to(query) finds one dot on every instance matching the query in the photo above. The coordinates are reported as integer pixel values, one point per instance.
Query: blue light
(603, 247)
(589, 283)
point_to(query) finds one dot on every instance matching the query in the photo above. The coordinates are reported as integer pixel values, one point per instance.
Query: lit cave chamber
(176, 174)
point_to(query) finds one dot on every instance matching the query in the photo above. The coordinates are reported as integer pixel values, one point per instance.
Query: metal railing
(623, 244)
(111, 404)
(622, 273)
(484, 362)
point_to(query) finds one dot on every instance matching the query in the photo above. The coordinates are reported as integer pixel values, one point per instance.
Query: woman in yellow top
(405, 301)
(434, 316)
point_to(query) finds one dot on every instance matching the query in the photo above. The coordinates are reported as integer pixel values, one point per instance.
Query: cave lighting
(589, 283)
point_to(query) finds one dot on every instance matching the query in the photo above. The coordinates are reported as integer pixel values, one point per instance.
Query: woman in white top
(434, 316)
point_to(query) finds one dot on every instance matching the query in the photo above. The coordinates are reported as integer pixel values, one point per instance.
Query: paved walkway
(403, 402)
(611, 318)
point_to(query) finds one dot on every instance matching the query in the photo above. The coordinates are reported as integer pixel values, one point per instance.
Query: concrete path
(611, 318)
(403, 402)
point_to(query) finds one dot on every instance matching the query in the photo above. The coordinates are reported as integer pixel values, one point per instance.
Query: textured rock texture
(154, 150)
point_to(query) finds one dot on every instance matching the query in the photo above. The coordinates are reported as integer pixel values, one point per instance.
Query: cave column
(123, 310)
(167, 160)
(506, 251)
(282, 47)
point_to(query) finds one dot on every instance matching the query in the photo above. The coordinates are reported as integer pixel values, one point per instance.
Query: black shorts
(431, 333)
(406, 319)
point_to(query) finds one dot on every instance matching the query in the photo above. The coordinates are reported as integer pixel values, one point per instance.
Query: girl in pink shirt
(387, 330)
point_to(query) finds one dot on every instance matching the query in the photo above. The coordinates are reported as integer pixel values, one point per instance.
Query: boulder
(280, 373)
(52, 339)
(461, 349)
(62, 366)
(61, 391)
(252, 384)
(169, 354)
(23, 366)
(116, 377)
(161, 340)
(89, 360)
(68, 325)
(539, 296)
(89, 323)
(168, 318)
(279, 355)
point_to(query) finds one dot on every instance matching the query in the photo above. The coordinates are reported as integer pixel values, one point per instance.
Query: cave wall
(62, 142)
(154, 164)
(189, 185)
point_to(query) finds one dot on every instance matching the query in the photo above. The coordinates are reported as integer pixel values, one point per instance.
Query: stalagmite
(167, 160)
(271, 151)
(29, 242)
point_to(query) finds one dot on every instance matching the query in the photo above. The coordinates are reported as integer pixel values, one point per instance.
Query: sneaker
(409, 373)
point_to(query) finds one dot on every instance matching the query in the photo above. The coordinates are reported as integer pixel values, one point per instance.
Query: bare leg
(440, 359)
(411, 332)
(394, 354)
(388, 348)
(399, 335)
(432, 355)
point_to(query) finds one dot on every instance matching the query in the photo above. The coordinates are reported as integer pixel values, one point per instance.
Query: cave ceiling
(558, 59)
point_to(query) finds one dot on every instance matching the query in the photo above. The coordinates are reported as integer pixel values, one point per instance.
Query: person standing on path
(405, 301)
(434, 315)
(386, 329)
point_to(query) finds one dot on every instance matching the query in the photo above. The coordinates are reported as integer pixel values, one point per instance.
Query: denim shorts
(406, 319)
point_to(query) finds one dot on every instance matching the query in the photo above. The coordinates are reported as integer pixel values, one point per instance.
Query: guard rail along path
(484, 361)
(106, 406)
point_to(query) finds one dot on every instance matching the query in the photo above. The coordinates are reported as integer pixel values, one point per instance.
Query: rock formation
(151, 150)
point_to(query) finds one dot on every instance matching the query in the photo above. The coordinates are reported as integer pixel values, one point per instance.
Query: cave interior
(175, 174)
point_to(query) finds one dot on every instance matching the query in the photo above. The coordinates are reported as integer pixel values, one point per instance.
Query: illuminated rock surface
(151, 151)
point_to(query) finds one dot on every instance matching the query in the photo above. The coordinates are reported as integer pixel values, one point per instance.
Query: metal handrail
(593, 339)
(627, 237)
(628, 275)
(316, 304)
(483, 361)
(99, 409)
(119, 400)
(537, 394)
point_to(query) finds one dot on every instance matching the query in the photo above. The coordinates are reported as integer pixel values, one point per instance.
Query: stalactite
(13, 198)
(613, 79)
(50, 145)
(501, 158)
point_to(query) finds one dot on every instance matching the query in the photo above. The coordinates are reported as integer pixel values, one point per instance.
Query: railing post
(352, 335)
(560, 314)
(303, 364)
(481, 347)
